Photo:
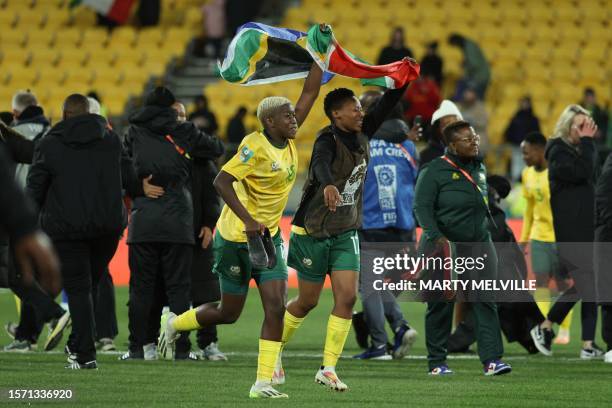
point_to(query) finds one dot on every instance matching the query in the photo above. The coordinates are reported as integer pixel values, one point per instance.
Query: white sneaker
(265, 391)
(167, 336)
(212, 353)
(150, 351)
(278, 378)
(330, 379)
(608, 357)
(591, 354)
(405, 343)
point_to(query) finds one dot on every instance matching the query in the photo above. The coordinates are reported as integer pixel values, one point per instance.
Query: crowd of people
(67, 190)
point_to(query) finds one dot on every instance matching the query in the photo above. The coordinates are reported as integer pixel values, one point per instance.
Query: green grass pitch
(536, 381)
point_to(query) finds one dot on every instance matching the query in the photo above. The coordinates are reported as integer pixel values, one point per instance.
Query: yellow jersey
(265, 175)
(538, 219)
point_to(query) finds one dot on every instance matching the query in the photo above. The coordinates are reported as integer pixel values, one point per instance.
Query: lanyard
(408, 155)
(468, 176)
(178, 148)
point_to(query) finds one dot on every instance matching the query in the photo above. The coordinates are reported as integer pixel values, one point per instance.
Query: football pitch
(536, 381)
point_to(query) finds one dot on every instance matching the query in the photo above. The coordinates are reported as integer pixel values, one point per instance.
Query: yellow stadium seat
(489, 13)
(79, 75)
(23, 78)
(565, 53)
(593, 53)
(104, 59)
(177, 36)
(57, 18)
(537, 55)
(595, 13)
(69, 38)
(15, 55)
(567, 93)
(93, 36)
(150, 37)
(50, 77)
(537, 74)
(115, 106)
(124, 36)
(193, 18)
(8, 18)
(30, 18)
(599, 33)
(40, 39)
(541, 107)
(83, 17)
(564, 73)
(12, 38)
(538, 13)
(73, 57)
(565, 14)
(513, 13)
(49, 3)
(593, 73)
(44, 57)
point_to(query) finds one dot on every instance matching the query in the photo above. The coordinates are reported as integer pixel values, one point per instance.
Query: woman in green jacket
(451, 207)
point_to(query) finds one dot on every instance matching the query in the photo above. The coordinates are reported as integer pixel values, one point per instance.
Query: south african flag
(262, 54)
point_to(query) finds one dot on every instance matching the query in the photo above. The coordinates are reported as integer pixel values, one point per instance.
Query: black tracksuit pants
(104, 306)
(153, 263)
(83, 263)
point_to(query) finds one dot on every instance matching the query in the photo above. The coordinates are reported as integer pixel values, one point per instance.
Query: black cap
(160, 96)
(500, 184)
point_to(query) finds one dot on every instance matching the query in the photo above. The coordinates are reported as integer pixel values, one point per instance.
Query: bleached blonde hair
(562, 128)
(268, 106)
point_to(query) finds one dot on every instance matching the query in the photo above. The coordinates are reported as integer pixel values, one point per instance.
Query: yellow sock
(266, 361)
(567, 322)
(291, 324)
(337, 331)
(186, 321)
(542, 297)
(18, 305)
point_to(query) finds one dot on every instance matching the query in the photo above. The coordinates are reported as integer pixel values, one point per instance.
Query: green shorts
(314, 258)
(233, 266)
(544, 258)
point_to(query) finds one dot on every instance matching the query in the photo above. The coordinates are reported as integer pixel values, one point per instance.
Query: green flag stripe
(246, 46)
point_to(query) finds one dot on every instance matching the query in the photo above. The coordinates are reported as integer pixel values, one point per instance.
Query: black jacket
(17, 216)
(161, 146)
(18, 148)
(571, 173)
(324, 149)
(603, 203)
(206, 202)
(523, 122)
(75, 180)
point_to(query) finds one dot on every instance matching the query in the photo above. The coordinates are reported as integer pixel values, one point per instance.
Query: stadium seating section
(548, 49)
(53, 49)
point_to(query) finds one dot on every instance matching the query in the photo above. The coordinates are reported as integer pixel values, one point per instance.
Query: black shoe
(75, 365)
(190, 356)
(542, 338)
(268, 244)
(56, 331)
(361, 330)
(132, 355)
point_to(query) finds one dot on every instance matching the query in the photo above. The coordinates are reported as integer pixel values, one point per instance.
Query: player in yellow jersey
(255, 186)
(538, 227)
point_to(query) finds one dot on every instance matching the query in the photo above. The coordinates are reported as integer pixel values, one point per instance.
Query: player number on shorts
(355, 240)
